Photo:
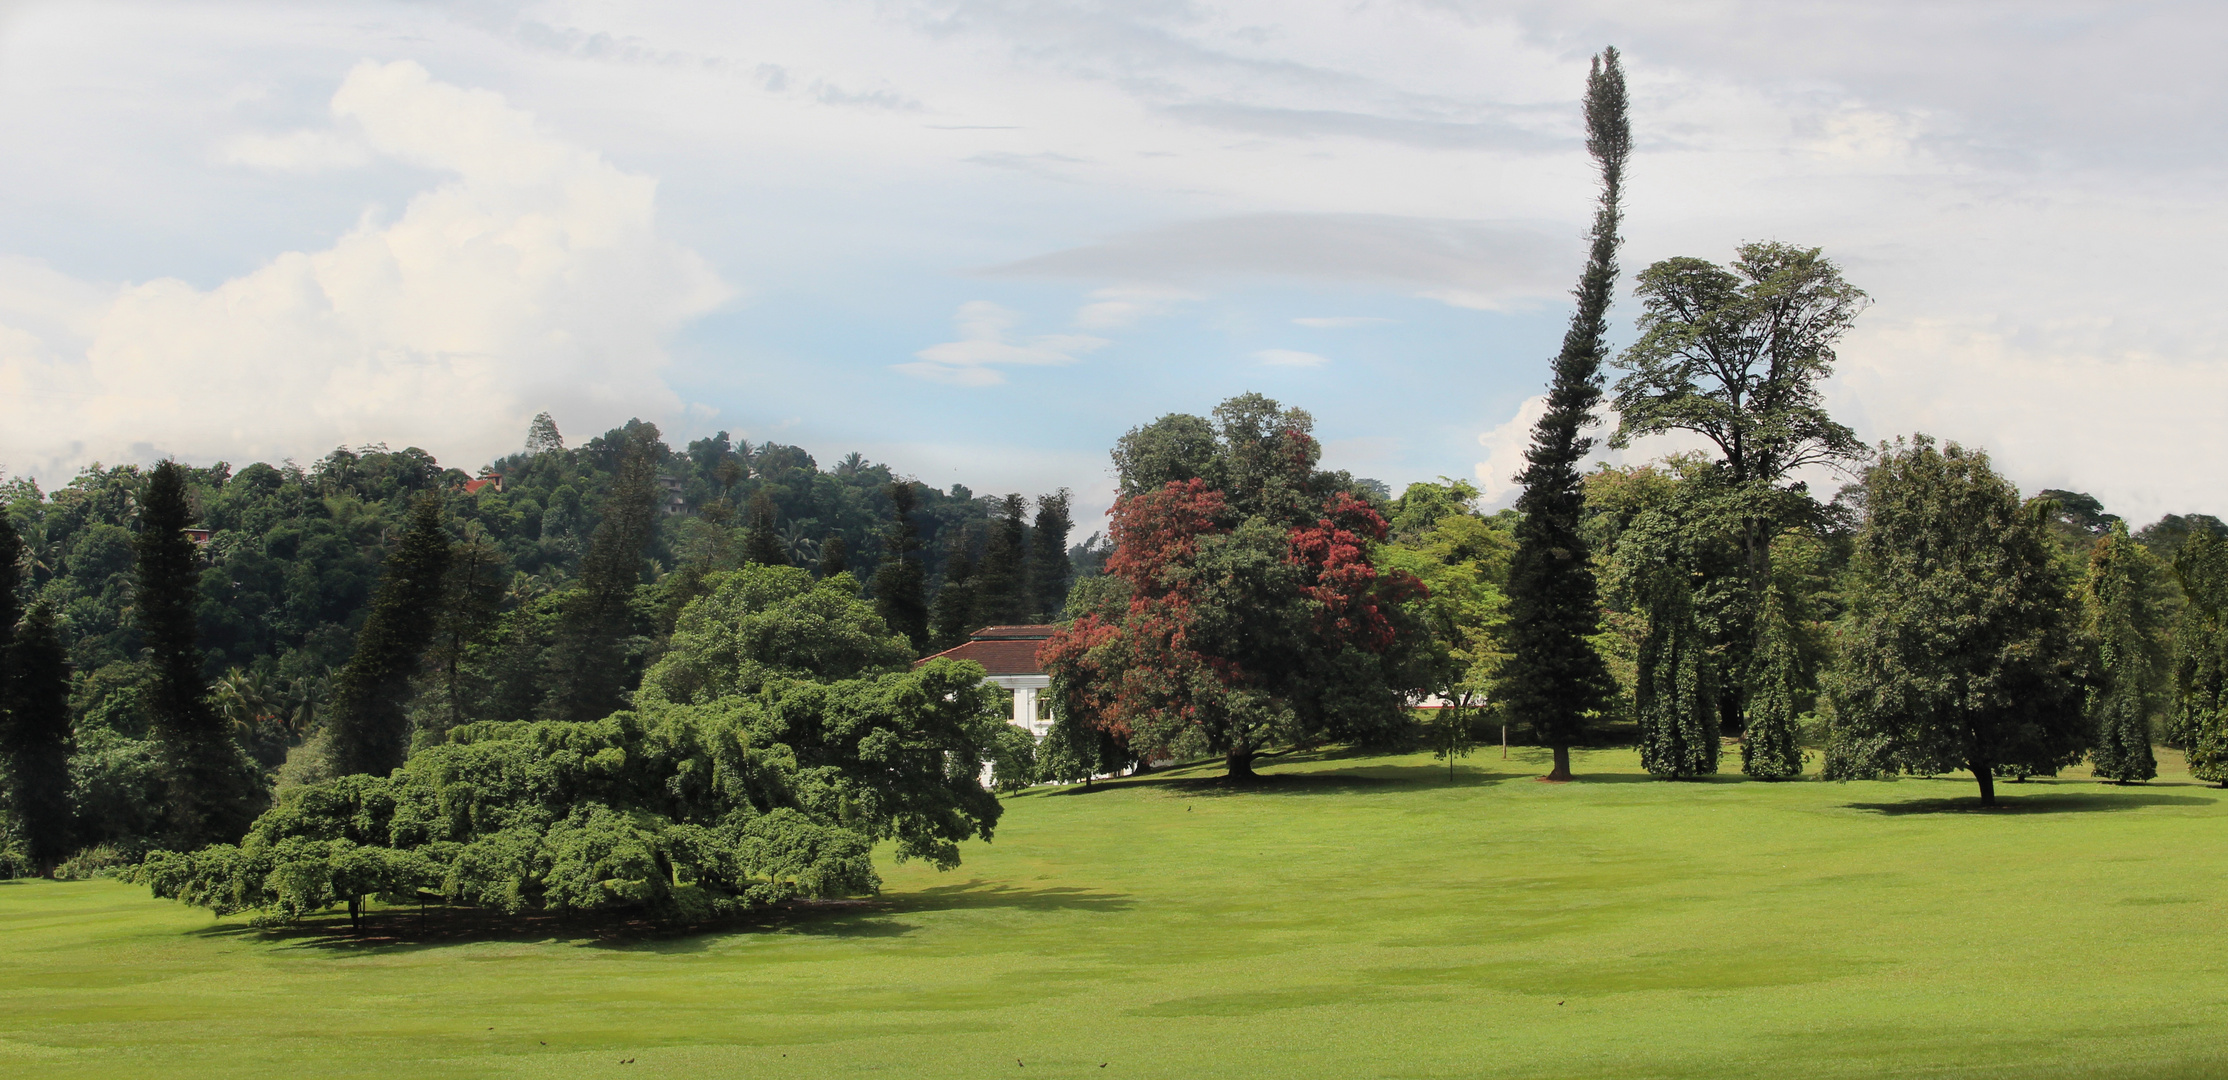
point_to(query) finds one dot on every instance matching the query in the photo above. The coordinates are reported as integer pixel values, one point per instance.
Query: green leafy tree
(765, 622)
(953, 617)
(1049, 569)
(370, 723)
(1771, 742)
(471, 606)
(1959, 644)
(1737, 354)
(1675, 698)
(214, 792)
(1554, 680)
(900, 585)
(1174, 448)
(2126, 659)
(2199, 721)
(1002, 595)
(834, 557)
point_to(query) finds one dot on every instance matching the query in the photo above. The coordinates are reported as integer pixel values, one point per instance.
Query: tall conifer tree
(1555, 680)
(1001, 585)
(1048, 555)
(593, 665)
(953, 616)
(370, 729)
(35, 736)
(899, 582)
(2120, 694)
(2200, 717)
(213, 793)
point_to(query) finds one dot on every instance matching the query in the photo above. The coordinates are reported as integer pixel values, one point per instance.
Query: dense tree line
(213, 634)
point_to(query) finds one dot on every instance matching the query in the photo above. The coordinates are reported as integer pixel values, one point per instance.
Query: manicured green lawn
(1359, 917)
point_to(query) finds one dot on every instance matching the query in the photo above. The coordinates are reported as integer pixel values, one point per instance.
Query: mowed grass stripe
(1353, 917)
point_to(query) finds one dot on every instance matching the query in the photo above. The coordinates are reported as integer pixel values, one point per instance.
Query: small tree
(1771, 747)
(1676, 694)
(370, 727)
(1959, 642)
(1554, 679)
(2126, 659)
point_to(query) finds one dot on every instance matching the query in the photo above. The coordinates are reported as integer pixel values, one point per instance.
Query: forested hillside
(290, 559)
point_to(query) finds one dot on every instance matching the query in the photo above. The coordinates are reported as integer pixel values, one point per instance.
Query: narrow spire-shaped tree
(1771, 747)
(2120, 694)
(212, 793)
(899, 582)
(2199, 721)
(370, 728)
(1001, 579)
(1048, 555)
(1675, 696)
(35, 737)
(1555, 680)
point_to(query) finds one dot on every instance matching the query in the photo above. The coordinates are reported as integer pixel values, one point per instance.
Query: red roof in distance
(1001, 650)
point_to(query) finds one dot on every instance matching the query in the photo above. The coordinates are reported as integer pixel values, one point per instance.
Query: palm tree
(801, 549)
(852, 464)
(246, 699)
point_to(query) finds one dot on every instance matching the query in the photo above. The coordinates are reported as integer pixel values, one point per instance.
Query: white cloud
(533, 279)
(1115, 308)
(1339, 322)
(1504, 453)
(295, 151)
(1289, 358)
(973, 360)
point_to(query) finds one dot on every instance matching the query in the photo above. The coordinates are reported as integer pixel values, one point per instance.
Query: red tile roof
(1001, 650)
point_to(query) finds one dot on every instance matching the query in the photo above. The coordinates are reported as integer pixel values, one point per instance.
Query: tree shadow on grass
(402, 930)
(2056, 802)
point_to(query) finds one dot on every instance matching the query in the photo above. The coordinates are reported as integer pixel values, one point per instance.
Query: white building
(1008, 654)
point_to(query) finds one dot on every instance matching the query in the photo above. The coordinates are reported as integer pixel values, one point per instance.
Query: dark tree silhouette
(370, 729)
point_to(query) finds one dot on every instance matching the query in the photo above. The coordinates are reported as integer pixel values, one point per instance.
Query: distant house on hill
(1008, 655)
(474, 487)
(669, 488)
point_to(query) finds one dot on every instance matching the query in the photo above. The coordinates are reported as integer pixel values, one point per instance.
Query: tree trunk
(1239, 763)
(356, 912)
(1560, 774)
(1987, 777)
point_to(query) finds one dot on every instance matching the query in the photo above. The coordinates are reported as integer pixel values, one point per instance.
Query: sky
(980, 239)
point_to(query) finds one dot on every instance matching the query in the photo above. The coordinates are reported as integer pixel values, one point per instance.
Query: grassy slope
(1366, 919)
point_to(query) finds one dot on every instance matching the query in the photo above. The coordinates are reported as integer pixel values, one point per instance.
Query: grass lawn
(1355, 917)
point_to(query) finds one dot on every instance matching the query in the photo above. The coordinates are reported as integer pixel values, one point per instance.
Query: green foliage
(1462, 561)
(1049, 569)
(35, 738)
(1172, 449)
(2200, 717)
(213, 790)
(2127, 659)
(1555, 681)
(682, 811)
(900, 585)
(1959, 641)
(763, 623)
(1675, 699)
(1771, 747)
(370, 728)
(595, 658)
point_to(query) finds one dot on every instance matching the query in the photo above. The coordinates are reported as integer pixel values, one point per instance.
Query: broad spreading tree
(1554, 680)
(2126, 659)
(1738, 354)
(369, 723)
(1253, 617)
(1959, 647)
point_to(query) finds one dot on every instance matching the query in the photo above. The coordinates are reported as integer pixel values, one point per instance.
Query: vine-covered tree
(1771, 741)
(2126, 659)
(1554, 680)
(2199, 722)
(1959, 647)
(900, 586)
(369, 722)
(1675, 696)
